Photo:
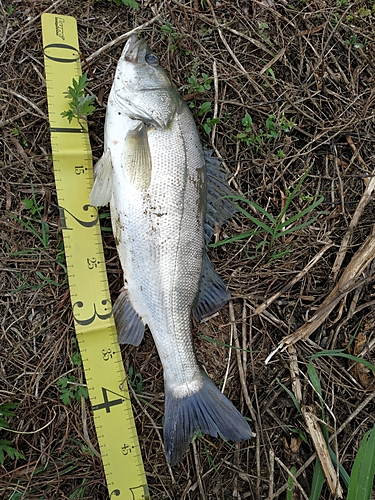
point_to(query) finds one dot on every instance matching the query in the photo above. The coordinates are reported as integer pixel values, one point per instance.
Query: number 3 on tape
(91, 303)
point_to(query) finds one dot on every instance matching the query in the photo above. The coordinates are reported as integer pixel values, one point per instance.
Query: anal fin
(213, 292)
(130, 327)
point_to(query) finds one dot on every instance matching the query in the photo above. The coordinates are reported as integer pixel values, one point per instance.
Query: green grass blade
(301, 214)
(343, 474)
(289, 491)
(314, 378)
(292, 194)
(317, 481)
(258, 222)
(30, 228)
(296, 403)
(254, 205)
(338, 353)
(363, 471)
(239, 237)
(296, 228)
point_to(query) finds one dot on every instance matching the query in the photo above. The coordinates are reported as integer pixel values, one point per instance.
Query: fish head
(141, 87)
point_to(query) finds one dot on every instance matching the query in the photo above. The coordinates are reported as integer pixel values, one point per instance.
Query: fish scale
(166, 198)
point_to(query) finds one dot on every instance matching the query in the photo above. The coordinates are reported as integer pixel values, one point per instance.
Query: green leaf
(66, 396)
(81, 391)
(12, 453)
(292, 194)
(131, 3)
(6, 409)
(344, 475)
(63, 382)
(207, 128)
(205, 107)
(247, 121)
(76, 359)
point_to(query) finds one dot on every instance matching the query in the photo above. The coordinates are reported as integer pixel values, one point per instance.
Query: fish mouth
(132, 48)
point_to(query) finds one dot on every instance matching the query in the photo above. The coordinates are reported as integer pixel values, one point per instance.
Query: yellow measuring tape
(91, 302)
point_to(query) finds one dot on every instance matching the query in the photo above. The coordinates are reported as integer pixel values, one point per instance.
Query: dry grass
(322, 57)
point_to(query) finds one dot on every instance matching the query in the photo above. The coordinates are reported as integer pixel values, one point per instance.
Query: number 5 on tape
(91, 303)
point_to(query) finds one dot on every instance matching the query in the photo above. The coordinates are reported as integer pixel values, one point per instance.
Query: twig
(23, 98)
(272, 471)
(347, 282)
(320, 445)
(85, 431)
(294, 373)
(216, 103)
(119, 39)
(366, 197)
(276, 58)
(240, 368)
(341, 428)
(198, 471)
(232, 329)
(24, 26)
(294, 477)
(154, 426)
(299, 276)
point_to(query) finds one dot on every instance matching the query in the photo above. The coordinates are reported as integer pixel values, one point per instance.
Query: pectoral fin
(136, 158)
(101, 192)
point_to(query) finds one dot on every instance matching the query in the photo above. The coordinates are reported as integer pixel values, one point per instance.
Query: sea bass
(166, 196)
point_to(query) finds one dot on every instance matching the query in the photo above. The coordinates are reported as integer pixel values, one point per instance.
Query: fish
(167, 196)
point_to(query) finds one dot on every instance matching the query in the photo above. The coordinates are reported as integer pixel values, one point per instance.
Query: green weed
(275, 228)
(199, 84)
(81, 104)
(71, 390)
(30, 286)
(135, 379)
(353, 42)
(209, 122)
(262, 33)
(36, 217)
(127, 3)
(7, 411)
(273, 130)
(168, 30)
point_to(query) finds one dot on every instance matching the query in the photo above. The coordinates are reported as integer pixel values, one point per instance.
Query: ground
(291, 84)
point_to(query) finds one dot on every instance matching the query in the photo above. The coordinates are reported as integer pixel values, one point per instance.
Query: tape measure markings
(90, 297)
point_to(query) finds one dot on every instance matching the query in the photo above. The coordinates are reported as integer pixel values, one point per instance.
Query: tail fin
(207, 411)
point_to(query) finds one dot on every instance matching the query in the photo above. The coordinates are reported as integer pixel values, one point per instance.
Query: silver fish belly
(154, 175)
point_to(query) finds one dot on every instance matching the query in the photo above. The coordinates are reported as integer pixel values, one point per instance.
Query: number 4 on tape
(91, 303)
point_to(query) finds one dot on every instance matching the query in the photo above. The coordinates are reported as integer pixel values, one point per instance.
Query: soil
(292, 84)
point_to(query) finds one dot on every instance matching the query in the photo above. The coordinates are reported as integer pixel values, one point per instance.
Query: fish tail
(206, 411)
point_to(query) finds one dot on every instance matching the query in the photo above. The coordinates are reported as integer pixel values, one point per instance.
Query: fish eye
(152, 59)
